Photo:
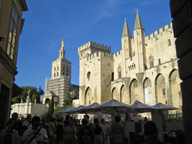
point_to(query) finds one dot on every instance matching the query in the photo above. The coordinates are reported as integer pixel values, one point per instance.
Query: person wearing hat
(151, 133)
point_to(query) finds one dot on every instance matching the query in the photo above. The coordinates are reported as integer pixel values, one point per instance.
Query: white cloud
(106, 9)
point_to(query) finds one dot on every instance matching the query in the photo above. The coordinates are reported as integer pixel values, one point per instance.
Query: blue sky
(48, 22)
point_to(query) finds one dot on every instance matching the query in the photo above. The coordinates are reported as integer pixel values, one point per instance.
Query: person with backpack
(36, 134)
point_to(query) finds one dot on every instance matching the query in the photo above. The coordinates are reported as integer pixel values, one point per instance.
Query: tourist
(86, 135)
(9, 135)
(70, 133)
(18, 125)
(59, 131)
(105, 128)
(117, 135)
(51, 130)
(27, 122)
(35, 134)
(87, 117)
(66, 122)
(98, 132)
(151, 133)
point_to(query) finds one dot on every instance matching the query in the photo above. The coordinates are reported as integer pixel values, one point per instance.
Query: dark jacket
(153, 140)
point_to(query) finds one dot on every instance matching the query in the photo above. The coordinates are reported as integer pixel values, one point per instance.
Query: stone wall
(181, 12)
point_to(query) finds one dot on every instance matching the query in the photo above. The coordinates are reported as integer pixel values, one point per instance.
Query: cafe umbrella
(113, 106)
(89, 109)
(141, 107)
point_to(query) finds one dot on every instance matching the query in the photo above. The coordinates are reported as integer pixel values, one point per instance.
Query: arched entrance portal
(147, 89)
(133, 91)
(160, 89)
(87, 97)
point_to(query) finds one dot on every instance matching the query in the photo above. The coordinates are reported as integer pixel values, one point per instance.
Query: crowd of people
(48, 130)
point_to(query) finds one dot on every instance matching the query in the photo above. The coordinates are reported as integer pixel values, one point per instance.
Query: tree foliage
(51, 107)
(68, 100)
(33, 94)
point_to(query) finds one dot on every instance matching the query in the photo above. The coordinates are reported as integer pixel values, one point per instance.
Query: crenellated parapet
(98, 55)
(95, 46)
(118, 53)
(160, 32)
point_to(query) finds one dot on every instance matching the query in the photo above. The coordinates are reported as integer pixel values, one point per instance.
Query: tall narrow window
(169, 42)
(112, 76)
(163, 92)
(13, 32)
(88, 75)
(119, 71)
(151, 64)
(119, 74)
(151, 61)
(159, 61)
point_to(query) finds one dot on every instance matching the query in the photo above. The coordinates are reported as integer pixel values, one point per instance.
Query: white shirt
(26, 123)
(29, 133)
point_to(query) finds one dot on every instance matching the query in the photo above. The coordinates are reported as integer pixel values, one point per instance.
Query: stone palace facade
(145, 69)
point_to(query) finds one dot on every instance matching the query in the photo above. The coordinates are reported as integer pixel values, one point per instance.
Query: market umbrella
(89, 108)
(75, 109)
(162, 106)
(141, 107)
(113, 106)
(65, 110)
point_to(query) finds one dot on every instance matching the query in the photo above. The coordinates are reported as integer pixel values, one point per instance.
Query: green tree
(51, 107)
(34, 94)
(68, 100)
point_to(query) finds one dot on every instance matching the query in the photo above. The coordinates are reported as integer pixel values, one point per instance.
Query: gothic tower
(139, 44)
(126, 46)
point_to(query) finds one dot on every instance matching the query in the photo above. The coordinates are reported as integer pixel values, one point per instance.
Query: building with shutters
(11, 24)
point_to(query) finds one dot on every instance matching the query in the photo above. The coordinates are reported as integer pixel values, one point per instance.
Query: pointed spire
(126, 31)
(138, 23)
(62, 51)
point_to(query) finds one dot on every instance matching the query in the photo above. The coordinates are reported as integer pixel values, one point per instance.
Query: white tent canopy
(75, 109)
(113, 106)
(162, 106)
(141, 107)
(90, 108)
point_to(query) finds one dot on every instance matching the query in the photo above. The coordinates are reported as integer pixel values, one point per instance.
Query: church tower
(139, 44)
(61, 67)
(60, 81)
